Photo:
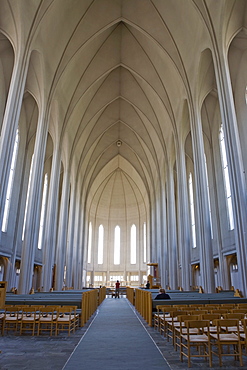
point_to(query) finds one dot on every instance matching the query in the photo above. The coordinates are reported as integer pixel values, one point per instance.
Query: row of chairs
(219, 331)
(37, 320)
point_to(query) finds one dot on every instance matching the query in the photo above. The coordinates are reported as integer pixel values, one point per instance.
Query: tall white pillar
(235, 165)
(50, 229)
(80, 245)
(172, 230)
(183, 222)
(30, 241)
(203, 226)
(71, 237)
(10, 124)
(62, 232)
(164, 260)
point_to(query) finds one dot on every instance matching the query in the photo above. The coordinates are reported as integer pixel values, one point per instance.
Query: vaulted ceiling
(116, 75)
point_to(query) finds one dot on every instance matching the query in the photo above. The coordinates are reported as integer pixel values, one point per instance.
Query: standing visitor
(117, 289)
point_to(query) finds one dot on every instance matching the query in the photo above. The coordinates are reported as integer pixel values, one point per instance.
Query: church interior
(123, 144)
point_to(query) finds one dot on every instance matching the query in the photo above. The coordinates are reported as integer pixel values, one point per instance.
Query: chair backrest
(61, 311)
(210, 316)
(29, 311)
(199, 324)
(239, 310)
(235, 315)
(12, 311)
(198, 312)
(220, 310)
(47, 309)
(223, 325)
(184, 318)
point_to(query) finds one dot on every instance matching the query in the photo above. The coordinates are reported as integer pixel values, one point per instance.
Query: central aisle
(116, 340)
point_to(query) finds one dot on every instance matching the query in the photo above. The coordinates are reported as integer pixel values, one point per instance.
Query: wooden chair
(46, 321)
(29, 320)
(11, 320)
(74, 316)
(211, 317)
(64, 320)
(224, 339)
(157, 317)
(243, 334)
(174, 323)
(194, 344)
(162, 310)
(180, 328)
(165, 318)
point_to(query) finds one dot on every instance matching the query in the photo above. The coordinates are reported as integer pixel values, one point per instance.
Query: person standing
(148, 285)
(117, 289)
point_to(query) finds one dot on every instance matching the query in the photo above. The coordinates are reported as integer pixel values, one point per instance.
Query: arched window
(43, 209)
(117, 246)
(100, 245)
(192, 211)
(10, 182)
(89, 246)
(226, 178)
(28, 192)
(144, 243)
(133, 245)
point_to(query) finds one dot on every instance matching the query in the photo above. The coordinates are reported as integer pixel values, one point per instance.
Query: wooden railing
(102, 294)
(130, 295)
(143, 304)
(89, 305)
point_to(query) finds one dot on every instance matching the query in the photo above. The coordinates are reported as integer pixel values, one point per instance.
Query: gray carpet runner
(116, 340)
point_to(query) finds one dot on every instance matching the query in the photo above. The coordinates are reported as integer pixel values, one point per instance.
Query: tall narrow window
(10, 183)
(133, 245)
(100, 245)
(43, 209)
(144, 243)
(210, 214)
(89, 247)
(226, 178)
(28, 191)
(192, 212)
(117, 246)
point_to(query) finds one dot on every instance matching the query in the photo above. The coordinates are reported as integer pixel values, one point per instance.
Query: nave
(116, 339)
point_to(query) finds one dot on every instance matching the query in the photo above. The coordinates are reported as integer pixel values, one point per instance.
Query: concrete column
(71, 237)
(183, 221)
(164, 261)
(62, 232)
(76, 255)
(235, 165)
(10, 124)
(50, 229)
(81, 261)
(30, 241)
(203, 235)
(172, 230)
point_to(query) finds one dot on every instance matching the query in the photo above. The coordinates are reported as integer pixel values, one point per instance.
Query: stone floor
(43, 352)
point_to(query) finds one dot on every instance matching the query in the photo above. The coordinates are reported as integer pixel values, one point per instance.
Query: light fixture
(119, 143)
